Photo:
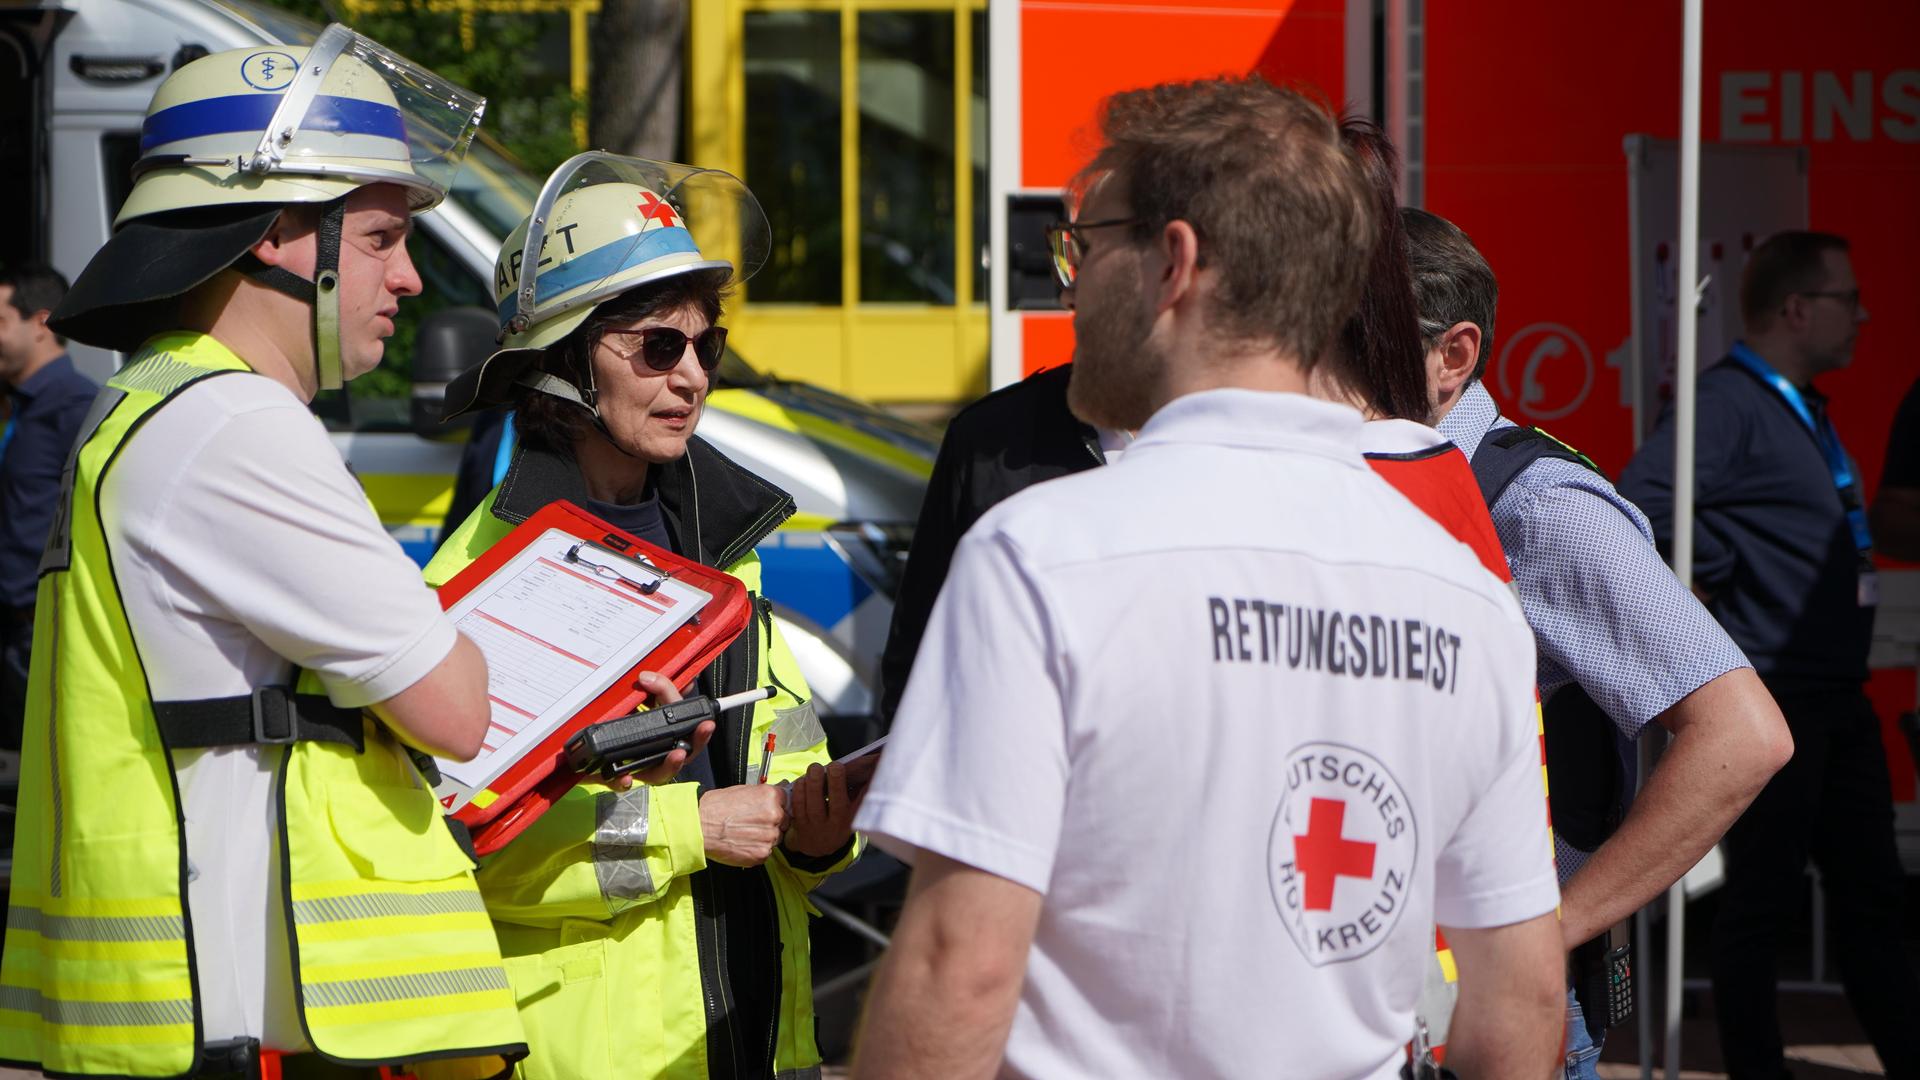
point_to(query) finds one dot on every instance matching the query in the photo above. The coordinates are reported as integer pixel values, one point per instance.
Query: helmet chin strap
(555, 386)
(322, 293)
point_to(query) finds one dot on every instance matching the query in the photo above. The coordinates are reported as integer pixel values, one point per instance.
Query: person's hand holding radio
(661, 691)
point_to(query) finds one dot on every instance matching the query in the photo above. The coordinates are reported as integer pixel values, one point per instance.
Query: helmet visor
(605, 223)
(356, 109)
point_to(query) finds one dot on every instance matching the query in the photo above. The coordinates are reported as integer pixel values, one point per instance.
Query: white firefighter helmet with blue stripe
(296, 124)
(230, 140)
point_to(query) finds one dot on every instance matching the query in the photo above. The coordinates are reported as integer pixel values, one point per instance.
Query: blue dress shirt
(1606, 612)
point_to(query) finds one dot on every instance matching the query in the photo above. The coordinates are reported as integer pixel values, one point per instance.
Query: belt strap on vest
(270, 716)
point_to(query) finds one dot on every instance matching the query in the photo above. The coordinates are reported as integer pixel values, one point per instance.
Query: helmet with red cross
(604, 225)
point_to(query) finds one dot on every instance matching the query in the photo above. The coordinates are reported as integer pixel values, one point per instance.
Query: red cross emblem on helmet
(653, 209)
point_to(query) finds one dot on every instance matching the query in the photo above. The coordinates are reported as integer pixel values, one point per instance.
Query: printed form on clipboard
(559, 624)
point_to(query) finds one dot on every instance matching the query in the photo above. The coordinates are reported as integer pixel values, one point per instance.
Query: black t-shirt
(646, 519)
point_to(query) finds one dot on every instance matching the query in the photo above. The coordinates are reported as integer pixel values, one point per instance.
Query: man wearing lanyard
(1783, 556)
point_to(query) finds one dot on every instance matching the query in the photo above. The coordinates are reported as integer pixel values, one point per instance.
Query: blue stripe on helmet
(604, 261)
(252, 113)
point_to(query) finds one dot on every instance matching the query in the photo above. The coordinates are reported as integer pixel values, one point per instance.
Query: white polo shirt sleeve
(1497, 867)
(976, 769)
(249, 520)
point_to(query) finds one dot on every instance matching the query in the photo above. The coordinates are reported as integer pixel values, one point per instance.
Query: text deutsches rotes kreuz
(1342, 851)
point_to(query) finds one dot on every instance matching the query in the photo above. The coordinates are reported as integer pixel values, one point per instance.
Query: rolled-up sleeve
(1606, 612)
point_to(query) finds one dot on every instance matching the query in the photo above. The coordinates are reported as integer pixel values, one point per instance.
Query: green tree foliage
(530, 109)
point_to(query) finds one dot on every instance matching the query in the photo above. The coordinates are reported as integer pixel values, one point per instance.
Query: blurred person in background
(1784, 556)
(48, 400)
(1895, 516)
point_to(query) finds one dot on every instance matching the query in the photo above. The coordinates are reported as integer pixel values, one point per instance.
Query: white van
(75, 78)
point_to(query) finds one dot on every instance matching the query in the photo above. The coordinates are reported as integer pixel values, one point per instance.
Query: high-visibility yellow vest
(601, 905)
(392, 955)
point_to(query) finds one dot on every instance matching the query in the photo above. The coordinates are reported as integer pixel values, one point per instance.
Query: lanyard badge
(1846, 479)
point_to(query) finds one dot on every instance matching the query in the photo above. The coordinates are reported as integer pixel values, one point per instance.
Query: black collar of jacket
(1053, 383)
(728, 508)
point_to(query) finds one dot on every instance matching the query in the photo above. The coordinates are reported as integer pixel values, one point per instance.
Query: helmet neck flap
(322, 294)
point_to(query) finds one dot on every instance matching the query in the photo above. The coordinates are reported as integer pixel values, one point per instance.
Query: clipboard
(562, 584)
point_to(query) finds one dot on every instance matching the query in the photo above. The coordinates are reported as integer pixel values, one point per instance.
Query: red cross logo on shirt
(652, 209)
(1324, 857)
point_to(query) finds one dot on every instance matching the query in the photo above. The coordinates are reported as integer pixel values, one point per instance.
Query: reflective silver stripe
(386, 905)
(97, 927)
(619, 844)
(797, 728)
(402, 987)
(812, 1073)
(96, 1013)
(56, 851)
(157, 373)
(620, 818)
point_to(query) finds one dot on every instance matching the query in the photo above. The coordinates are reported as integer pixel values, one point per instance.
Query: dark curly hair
(552, 423)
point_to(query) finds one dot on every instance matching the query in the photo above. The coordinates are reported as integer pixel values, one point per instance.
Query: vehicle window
(23, 146)
(280, 25)
(734, 371)
(118, 151)
(792, 61)
(907, 198)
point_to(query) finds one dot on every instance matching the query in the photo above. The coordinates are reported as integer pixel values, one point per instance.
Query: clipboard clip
(645, 588)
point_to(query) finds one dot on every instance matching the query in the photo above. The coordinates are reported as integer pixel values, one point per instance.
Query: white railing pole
(1686, 365)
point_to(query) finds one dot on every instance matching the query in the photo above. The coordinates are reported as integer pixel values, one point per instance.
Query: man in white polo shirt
(1200, 747)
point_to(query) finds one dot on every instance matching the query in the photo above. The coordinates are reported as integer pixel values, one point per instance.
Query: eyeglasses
(661, 347)
(1063, 239)
(1851, 297)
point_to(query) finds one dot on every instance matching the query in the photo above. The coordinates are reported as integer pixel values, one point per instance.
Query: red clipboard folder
(512, 800)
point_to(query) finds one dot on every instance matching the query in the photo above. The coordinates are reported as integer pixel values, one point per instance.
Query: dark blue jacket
(1772, 547)
(47, 410)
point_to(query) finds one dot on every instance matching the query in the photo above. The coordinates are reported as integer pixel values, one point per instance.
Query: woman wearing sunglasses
(661, 929)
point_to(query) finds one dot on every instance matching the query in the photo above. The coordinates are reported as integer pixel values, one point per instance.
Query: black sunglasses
(661, 347)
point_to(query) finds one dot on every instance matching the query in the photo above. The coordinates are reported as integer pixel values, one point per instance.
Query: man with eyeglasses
(1201, 746)
(1783, 558)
